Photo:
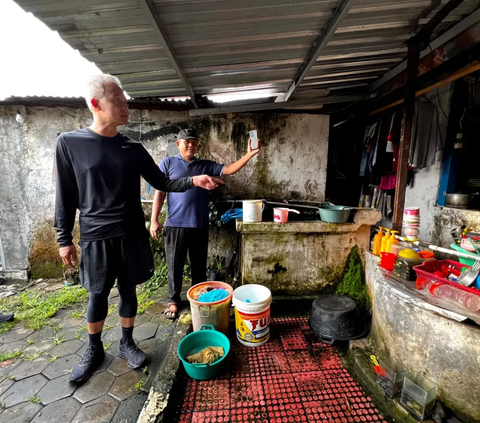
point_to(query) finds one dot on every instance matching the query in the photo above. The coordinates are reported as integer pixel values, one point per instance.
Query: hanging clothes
(428, 135)
(367, 147)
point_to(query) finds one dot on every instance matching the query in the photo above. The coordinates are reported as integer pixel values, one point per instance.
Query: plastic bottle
(377, 241)
(384, 241)
(466, 300)
(391, 240)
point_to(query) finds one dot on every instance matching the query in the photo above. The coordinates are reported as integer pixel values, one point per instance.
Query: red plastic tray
(426, 270)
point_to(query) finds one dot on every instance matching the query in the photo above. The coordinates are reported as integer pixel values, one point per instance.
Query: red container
(388, 261)
(427, 269)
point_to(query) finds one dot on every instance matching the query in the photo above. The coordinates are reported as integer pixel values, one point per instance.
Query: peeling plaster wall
(292, 163)
(443, 350)
(446, 218)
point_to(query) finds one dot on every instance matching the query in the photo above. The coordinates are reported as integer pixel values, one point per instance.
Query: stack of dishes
(411, 222)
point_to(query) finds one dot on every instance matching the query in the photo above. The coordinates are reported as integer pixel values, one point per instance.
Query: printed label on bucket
(253, 328)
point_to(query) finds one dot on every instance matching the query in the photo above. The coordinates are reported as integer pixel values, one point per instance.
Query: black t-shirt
(100, 176)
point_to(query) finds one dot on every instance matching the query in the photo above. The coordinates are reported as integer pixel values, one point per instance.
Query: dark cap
(187, 134)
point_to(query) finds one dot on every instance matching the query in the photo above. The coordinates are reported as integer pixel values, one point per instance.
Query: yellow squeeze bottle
(376, 242)
(384, 241)
(391, 240)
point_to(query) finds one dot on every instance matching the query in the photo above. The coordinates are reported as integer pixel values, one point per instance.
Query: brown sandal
(171, 311)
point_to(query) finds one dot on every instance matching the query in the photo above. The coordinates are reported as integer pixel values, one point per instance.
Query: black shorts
(126, 258)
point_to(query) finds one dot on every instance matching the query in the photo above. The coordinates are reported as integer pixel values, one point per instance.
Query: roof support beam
(159, 28)
(255, 107)
(320, 44)
(447, 36)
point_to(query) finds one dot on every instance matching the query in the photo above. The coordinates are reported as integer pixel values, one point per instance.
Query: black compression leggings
(98, 304)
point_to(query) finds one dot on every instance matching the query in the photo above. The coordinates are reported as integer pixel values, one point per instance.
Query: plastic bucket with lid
(252, 314)
(215, 313)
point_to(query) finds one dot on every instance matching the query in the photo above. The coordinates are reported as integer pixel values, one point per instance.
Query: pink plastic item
(411, 211)
(280, 215)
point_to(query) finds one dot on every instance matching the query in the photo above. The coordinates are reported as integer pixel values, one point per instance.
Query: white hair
(96, 86)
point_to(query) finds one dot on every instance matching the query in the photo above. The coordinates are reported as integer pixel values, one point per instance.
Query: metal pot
(457, 200)
(336, 318)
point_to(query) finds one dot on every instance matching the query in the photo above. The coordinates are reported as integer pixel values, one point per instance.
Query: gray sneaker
(92, 359)
(129, 351)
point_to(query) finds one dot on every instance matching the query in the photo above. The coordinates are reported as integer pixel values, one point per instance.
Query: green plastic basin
(207, 336)
(462, 250)
(334, 214)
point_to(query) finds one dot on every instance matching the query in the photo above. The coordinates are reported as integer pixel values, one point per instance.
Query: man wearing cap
(186, 227)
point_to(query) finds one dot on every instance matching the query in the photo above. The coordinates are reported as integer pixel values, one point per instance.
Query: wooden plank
(406, 135)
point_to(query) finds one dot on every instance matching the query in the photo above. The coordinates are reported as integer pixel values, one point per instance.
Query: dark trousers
(177, 242)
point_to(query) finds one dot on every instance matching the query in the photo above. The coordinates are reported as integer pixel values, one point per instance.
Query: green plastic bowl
(462, 250)
(207, 336)
(334, 214)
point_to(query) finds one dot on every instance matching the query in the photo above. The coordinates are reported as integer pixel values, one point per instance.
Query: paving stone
(15, 335)
(73, 322)
(54, 287)
(98, 411)
(30, 368)
(161, 320)
(61, 411)
(5, 385)
(156, 308)
(13, 346)
(124, 385)
(150, 346)
(23, 390)
(114, 300)
(118, 367)
(40, 346)
(57, 389)
(22, 413)
(163, 332)
(113, 334)
(95, 387)
(112, 320)
(7, 366)
(66, 348)
(106, 363)
(113, 293)
(67, 334)
(145, 331)
(131, 408)
(61, 366)
(42, 334)
(142, 318)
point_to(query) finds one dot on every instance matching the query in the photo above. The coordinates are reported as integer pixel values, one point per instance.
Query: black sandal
(169, 313)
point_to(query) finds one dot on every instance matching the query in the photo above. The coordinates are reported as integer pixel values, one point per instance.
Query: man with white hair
(98, 172)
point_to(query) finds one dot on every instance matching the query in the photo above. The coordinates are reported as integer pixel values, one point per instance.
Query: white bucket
(252, 210)
(252, 314)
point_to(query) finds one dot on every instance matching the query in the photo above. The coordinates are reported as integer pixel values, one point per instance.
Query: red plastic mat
(292, 378)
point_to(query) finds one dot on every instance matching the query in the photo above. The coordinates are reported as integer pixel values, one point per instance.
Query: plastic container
(426, 255)
(461, 250)
(465, 300)
(396, 248)
(404, 264)
(425, 273)
(390, 377)
(280, 214)
(411, 211)
(215, 313)
(252, 210)
(207, 336)
(252, 314)
(387, 261)
(418, 395)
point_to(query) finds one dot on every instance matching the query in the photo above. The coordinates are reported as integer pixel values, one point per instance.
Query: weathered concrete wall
(446, 218)
(292, 163)
(441, 349)
(301, 258)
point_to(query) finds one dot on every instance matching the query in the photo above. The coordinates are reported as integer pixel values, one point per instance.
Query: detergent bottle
(391, 240)
(384, 241)
(377, 241)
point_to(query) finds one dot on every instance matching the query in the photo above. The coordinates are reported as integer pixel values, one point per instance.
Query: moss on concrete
(353, 284)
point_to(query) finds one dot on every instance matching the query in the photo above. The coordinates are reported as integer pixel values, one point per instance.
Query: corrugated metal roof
(227, 46)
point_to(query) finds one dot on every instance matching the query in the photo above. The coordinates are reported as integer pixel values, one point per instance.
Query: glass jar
(404, 264)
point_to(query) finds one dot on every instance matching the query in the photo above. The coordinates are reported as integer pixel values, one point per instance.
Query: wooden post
(413, 58)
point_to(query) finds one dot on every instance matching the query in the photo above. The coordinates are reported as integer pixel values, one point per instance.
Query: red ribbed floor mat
(292, 378)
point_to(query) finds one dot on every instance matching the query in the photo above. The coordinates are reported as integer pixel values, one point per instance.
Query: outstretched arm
(239, 164)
